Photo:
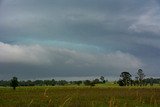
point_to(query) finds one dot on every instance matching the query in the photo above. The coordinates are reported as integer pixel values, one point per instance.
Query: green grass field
(80, 96)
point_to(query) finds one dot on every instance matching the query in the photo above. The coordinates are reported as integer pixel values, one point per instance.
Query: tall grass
(80, 97)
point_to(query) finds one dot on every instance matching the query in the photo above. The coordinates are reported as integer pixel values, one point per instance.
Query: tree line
(14, 82)
(126, 80)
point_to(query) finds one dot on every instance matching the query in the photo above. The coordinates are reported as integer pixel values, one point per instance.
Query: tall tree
(125, 78)
(14, 82)
(140, 76)
(102, 79)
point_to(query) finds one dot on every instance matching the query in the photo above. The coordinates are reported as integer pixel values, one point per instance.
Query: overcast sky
(50, 38)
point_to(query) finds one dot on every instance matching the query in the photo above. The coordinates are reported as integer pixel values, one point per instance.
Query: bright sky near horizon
(49, 38)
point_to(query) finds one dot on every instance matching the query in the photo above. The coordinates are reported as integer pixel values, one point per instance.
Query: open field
(80, 96)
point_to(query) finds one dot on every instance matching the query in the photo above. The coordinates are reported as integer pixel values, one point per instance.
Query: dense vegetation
(49, 82)
(147, 81)
(125, 80)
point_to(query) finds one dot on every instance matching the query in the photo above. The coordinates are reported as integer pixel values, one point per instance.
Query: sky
(77, 38)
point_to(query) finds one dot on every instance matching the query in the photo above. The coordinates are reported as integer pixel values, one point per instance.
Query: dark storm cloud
(79, 32)
(44, 60)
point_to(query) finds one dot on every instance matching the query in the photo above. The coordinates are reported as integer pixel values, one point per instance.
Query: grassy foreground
(74, 96)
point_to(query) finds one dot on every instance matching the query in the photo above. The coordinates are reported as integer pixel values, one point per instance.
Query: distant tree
(87, 82)
(140, 76)
(29, 83)
(4, 83)
(120, 82)
(14, 82)
(92, 83)
(78, 82)
(38, 82)
(96, 81)
(47, 82)
(22, 83)
(125, 78)
(102, 79)
(62, 82)
(53, 82)
(132, 82)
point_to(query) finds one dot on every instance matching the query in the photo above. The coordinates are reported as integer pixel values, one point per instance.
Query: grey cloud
(66, 60)
(148, 21)
(96, 35)
(79, 21)
(153, 42)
